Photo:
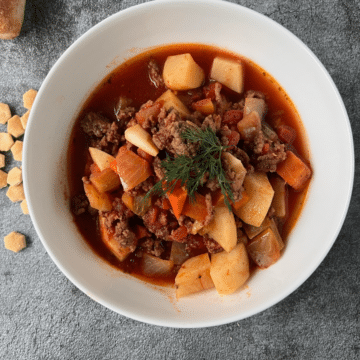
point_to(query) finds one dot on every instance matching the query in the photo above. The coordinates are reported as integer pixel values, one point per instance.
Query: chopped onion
(153, 266)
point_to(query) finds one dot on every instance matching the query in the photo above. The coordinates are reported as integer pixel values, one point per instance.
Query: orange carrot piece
(113, 165)
(165, 204)
(147, 111)
(240, 203)
(286, 133)
(141, 232)
(177, 199)
(180, 234)
(232, 117)
(196, 209)
(132, 169)
(294, 171)
(205, 106)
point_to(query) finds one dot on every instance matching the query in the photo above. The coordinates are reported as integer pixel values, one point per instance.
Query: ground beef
(213, 122)
(196, 117)
(143, 187)
(117, 220)
(95, 124)
(212, 246)
(152, 247)
(154, 74)
(168, 136)
(163, 224)
(194, 242)
(159, 171)
(209, 208)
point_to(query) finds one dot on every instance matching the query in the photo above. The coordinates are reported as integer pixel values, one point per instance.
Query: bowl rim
(118, 16)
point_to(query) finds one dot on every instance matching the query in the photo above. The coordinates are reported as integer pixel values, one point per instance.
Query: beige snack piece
(5, 113)
(16, 150)
(24, 119)
(15, 241)
(3, 179)
(15, 127)
(16, 193)
(14, 176)
(11, 18)
(2, 160)
(6, 142)
(29, 98)
(24, 207)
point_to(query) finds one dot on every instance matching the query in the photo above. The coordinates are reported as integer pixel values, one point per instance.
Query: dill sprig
(192, 172)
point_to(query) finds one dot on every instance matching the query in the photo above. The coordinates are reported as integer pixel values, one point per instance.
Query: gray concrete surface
(44, 316)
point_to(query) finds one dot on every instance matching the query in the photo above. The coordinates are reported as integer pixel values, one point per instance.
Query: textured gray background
(44, 316)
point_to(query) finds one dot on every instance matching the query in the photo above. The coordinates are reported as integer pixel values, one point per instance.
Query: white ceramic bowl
(238, 29)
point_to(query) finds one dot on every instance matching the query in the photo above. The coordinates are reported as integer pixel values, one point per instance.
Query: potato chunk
(261, 193)
(279, 202)
(97, 200)
(229, 271)
(171, 101)
(229, 73)
(106, 180)
(142, 139)
(181, 72)
(264, 249)
(222, 228)
(108, 239)
(236, 165)
(101, 158)
(193, 276)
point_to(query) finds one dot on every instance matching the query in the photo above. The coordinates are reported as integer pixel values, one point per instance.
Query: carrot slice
(180, 234)
(132, 169)
(128, 200)
(177, 199)
(205, 106)
(240, 203)
(113, 165)
(294, 171)
(196, 209)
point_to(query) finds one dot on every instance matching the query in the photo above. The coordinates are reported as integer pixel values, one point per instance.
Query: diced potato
(236, 165)
(264, 249)
(229, 271)
(229, 73)
(171, 101)
(249, 126)
(97, 200)
(193, 276)
(128, 200)
(252, 231)
(111, 243)
(222, 228)
(258, 187)
(178, 253)
(181, 72)
(106, 180)
(101, 158)
(279, 202)
(141, 138)
(255, 104)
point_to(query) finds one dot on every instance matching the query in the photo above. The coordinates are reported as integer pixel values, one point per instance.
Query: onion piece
(153, 266)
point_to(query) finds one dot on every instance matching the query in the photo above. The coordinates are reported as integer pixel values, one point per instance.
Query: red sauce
(131, 80)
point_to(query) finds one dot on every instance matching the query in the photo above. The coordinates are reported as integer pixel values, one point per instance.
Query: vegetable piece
(94, 169)
(233, 138)
(101, 158)
(252, 231)
(222, 228)
(249, 126)
(209, 90)
(178, 253)
(154, 266)
(259, 189)
(286, 134)
(180, 234)
(171, 101)
(294, 171)
(205, 106)
(128, 200)
(264, 249)
(236, 166)
(97, 200)
(232, 117)
(111, 243)
(141, 138)
(197, 227)
(217, 198)
(106, 180)
(195, 209)
(132, 169)
(177, 199)
(279, 202)
(230, 270)
(165, 204)
(229, 73)
(193, 276)
(255, 104)
(236, 206)
(181, 72)
(142, 205)
(148, 110)
(11, 18)
(141, 232)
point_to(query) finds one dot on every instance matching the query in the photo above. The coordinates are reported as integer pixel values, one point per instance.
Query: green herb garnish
(191, 171)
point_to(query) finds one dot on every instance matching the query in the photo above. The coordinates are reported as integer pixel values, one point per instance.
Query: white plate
(238, 29)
